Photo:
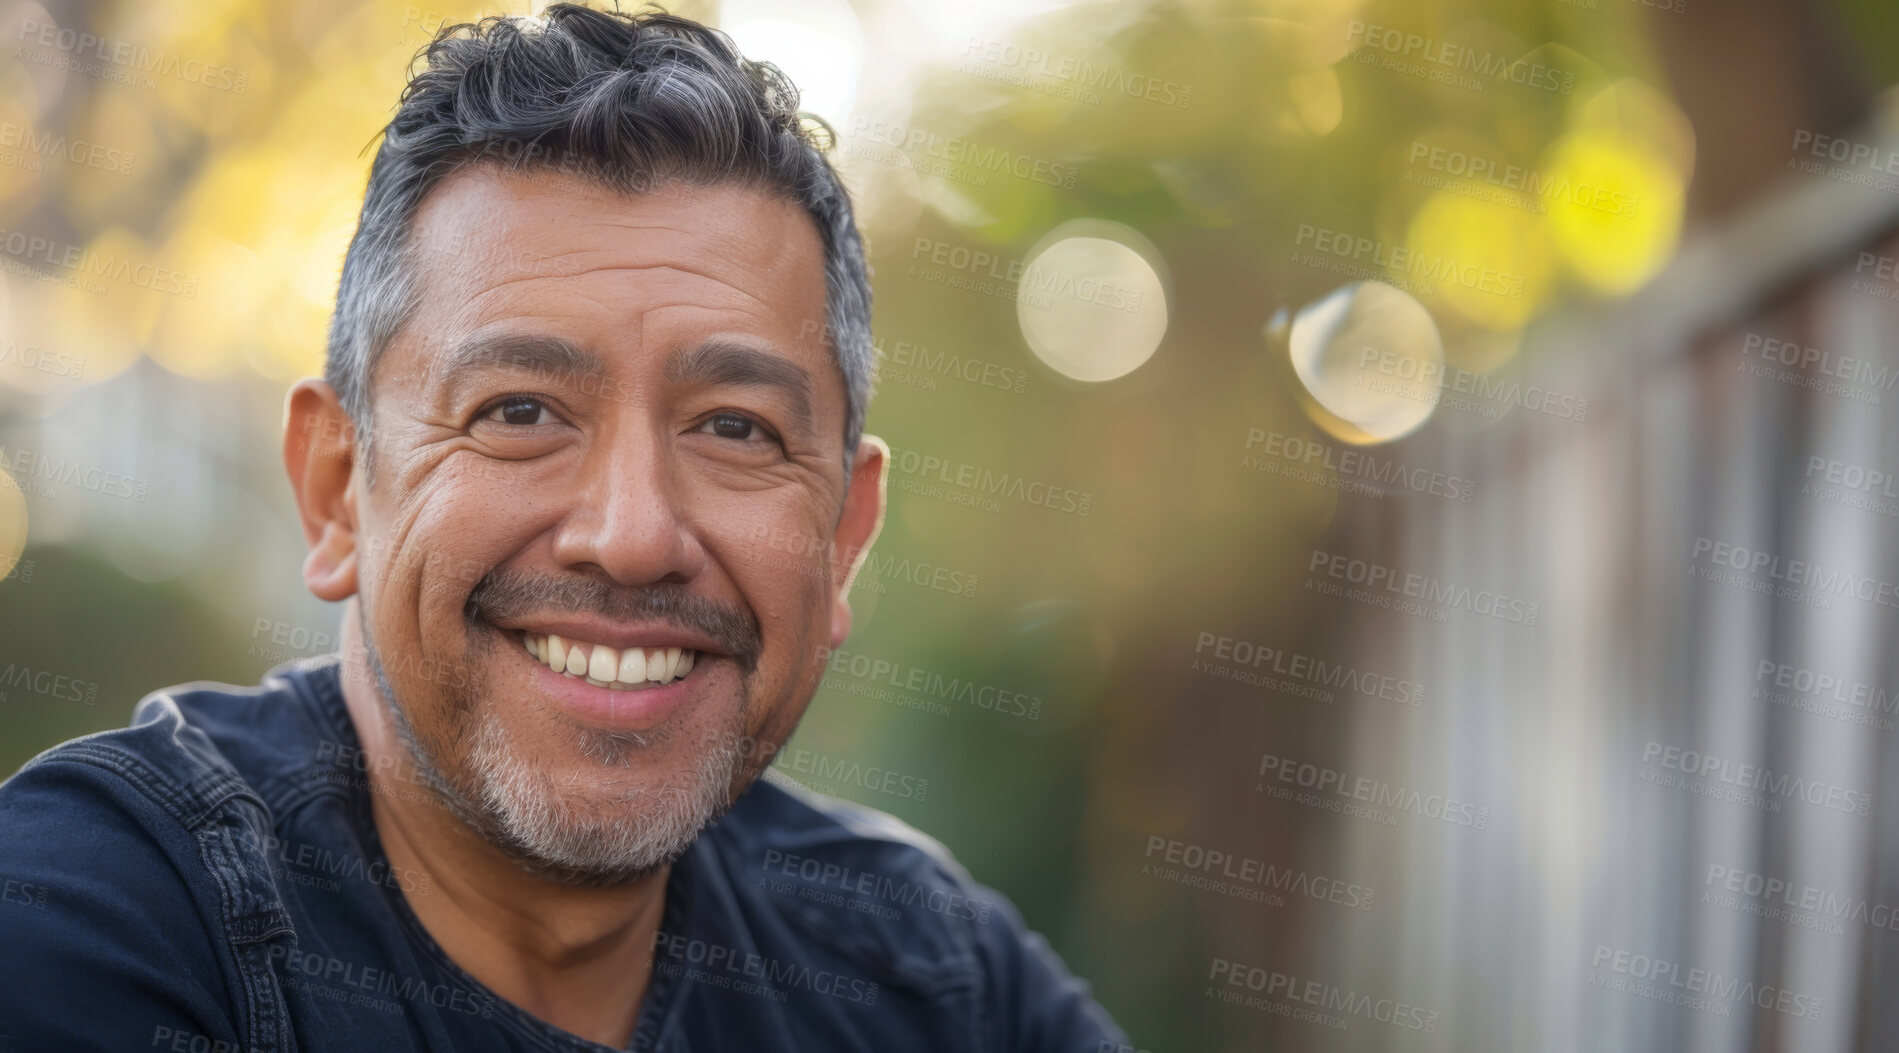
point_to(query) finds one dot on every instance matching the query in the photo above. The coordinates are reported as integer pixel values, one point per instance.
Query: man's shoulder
(893, 898)
(864, 879)
(132, 854)
(193, 747)
(793, 816)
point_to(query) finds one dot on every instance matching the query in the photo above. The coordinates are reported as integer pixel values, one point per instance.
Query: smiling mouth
(620, 669)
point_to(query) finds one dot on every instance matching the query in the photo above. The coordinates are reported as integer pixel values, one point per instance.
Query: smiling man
(588, 475)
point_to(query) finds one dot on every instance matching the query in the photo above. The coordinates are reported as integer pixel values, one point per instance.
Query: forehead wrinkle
(506, 282)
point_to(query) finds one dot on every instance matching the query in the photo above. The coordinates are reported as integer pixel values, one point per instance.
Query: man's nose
(628, 517)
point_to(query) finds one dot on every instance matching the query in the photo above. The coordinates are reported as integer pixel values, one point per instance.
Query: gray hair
(632, 101)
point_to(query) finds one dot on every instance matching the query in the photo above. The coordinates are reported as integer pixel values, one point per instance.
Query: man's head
(606, 320)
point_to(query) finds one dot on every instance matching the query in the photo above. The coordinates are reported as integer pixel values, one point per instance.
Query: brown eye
(732, 426)
(520, 410)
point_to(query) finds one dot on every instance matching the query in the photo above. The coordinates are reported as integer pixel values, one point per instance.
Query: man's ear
(320, 458)
(857, 528)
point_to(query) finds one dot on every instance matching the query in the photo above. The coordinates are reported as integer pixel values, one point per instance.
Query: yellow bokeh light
(1617, 185)
(1487, 260)
(1316, 100)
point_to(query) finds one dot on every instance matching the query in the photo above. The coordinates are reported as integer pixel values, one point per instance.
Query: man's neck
(579, 958)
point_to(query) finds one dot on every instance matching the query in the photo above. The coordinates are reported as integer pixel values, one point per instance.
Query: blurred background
(1397, 497)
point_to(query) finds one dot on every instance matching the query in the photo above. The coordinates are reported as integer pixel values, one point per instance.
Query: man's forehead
(486, 237)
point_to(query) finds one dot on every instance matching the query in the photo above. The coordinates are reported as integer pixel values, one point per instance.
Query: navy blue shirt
(209, 879)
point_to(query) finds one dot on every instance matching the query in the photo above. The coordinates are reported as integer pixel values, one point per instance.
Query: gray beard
(561, 832)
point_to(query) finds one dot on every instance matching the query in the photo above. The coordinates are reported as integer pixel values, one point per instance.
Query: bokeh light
(1091, 302)
(13, 518)
(1370, 357)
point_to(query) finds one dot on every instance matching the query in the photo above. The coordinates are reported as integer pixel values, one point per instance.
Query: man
(588, 474)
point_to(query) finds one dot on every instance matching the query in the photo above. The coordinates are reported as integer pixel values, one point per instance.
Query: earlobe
(857, 528)
(320, 458)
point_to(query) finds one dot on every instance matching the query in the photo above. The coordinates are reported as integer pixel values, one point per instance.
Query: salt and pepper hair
(632, 101)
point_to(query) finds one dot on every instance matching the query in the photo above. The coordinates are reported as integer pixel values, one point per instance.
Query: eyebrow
(723, 362)
(713, 363)
(533, 353)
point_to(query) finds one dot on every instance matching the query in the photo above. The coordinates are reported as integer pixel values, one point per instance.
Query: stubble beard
(568, 830)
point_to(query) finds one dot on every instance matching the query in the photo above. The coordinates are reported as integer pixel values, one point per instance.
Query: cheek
(445, 536)
(781, 566)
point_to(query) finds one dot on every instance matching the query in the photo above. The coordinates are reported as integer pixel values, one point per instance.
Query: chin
(612, 808)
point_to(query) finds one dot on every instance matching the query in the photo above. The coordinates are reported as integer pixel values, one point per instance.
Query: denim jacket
(209, 880)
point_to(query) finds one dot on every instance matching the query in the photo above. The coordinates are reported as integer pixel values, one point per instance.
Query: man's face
(614, 427)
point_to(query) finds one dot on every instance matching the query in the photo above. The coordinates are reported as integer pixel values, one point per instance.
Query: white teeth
(632, 666)
(604, 666)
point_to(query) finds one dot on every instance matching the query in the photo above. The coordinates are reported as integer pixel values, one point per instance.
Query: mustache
(504, 593)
